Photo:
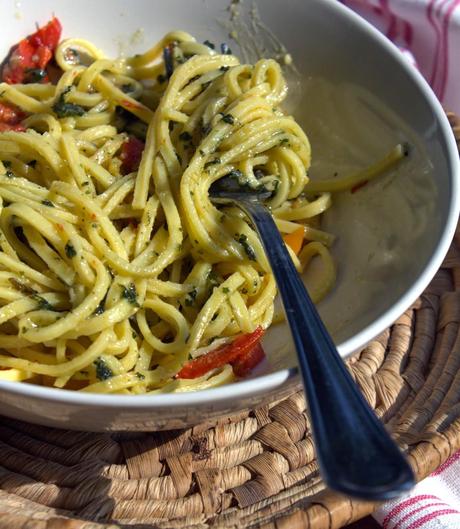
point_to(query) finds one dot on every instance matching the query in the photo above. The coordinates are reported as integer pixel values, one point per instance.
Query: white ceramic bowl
(393, 235)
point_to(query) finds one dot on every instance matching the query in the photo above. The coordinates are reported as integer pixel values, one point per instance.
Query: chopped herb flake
(206, 129)
(43, 304)
(225, 290)
(103, 371)
(129, 293)
(34, 75)
(212, 278)
(127, 88)
(65, 110)
(276, 184)
(140, 376)
(235, 173)
(9, 174)
(100, 309)
(212, 162)
(191, 297)
(225, 49)
(70, 250)
(209, 44)
(243, 240)
(48, 203)
(228, 118)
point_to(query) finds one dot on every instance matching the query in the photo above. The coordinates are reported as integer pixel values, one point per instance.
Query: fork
(356, 455)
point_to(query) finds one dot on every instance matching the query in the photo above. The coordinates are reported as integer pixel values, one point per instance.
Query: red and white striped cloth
(433, 504)
(428, 33)
(429, 30)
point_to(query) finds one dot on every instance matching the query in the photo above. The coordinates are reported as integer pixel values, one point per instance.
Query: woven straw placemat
(256, 469)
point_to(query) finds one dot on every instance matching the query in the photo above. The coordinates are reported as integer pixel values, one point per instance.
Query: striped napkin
(428, 33)
(433, 504)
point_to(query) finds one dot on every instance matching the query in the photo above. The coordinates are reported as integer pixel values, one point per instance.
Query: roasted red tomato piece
(244, 364)
(48, 36)
(131, 154)
(226, 354)
(10, 118)
(27, 60)
(4, 127)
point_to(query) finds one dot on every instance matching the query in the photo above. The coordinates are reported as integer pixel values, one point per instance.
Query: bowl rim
(264, 383)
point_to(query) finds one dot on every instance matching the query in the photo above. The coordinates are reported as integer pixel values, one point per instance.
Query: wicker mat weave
(256, 469)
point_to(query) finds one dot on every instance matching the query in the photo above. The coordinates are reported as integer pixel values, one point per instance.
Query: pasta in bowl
(117, 266)
(118, 273)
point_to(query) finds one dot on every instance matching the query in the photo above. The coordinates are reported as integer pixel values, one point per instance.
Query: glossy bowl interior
(356, 97)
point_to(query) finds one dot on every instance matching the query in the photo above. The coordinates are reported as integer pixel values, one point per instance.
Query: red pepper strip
(244, 364)
(226, 354)
(357, 187)
(131, 154)
(32, 53)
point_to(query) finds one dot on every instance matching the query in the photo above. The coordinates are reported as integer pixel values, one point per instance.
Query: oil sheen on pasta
(110, 282)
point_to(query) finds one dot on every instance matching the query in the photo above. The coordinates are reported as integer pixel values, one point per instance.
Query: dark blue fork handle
(356, 455)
